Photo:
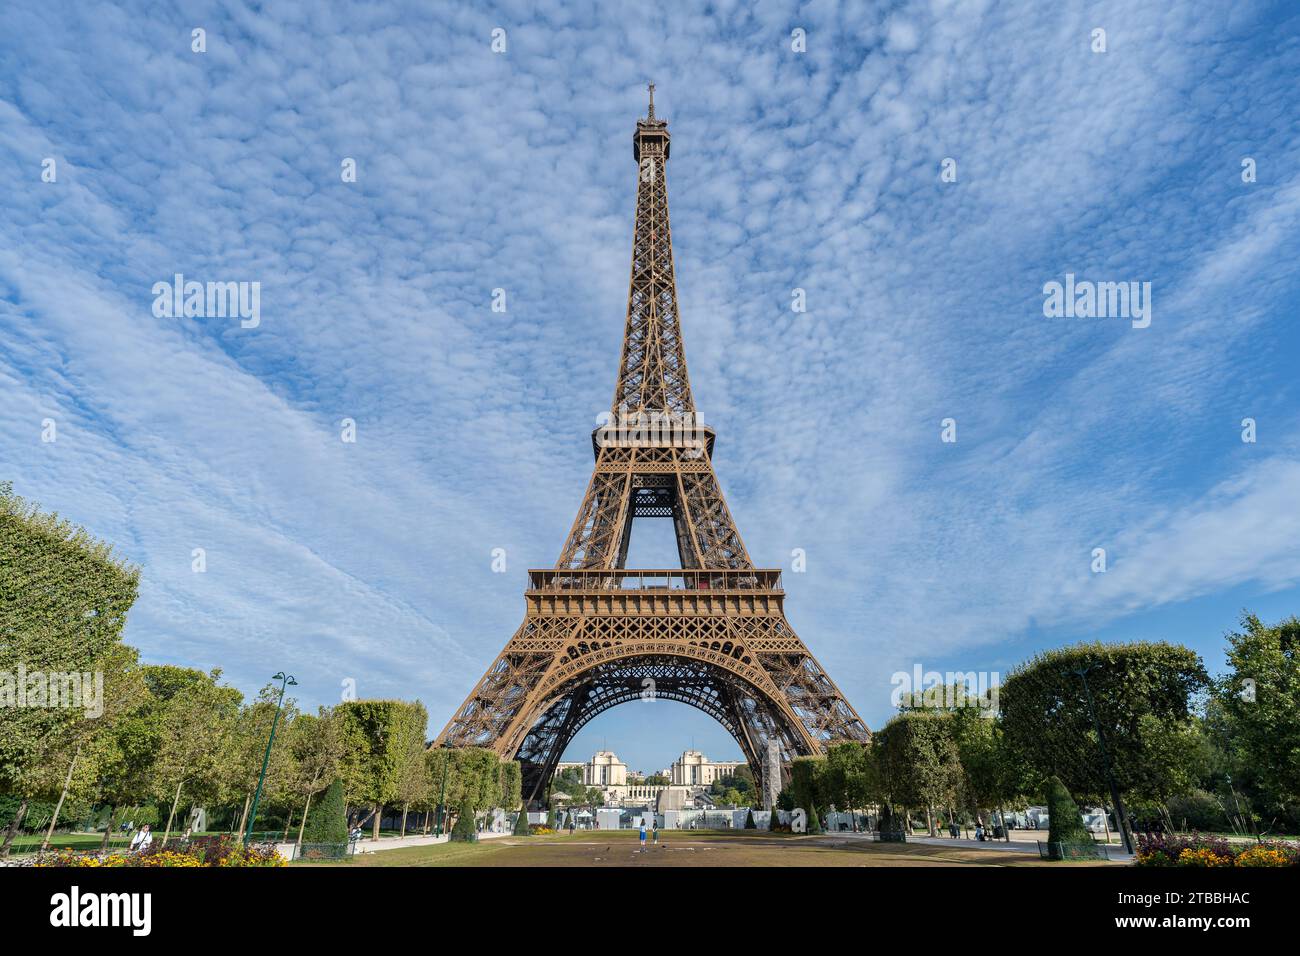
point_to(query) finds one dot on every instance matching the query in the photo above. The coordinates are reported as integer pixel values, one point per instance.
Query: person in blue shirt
(643, 834)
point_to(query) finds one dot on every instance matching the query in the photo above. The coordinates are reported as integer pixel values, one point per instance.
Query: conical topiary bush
(521, 823)
(814, 821)
(465, 831)
(327, 820)
(1065, 823)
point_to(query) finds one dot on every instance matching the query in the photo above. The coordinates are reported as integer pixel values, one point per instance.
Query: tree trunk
(171, 816)
(243, 817)
(1006, 830)
(108, 830)
(67, 782)
(929, 820)
(379, 813)
(12, 830)
(301, 825)
(288, 822)
(405, 806)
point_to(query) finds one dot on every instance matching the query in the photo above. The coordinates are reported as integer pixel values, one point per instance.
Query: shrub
(749, 820)
(327, 820)
(1064, 820)
(464, 831)
(1197, 810)
(521, 822)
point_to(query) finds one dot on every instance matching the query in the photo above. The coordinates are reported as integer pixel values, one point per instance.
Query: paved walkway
(367, 845)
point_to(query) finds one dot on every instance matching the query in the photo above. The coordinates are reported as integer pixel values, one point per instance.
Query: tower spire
(652, 372)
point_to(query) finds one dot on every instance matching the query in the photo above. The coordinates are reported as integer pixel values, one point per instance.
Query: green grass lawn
(694, 848)
(31, 842)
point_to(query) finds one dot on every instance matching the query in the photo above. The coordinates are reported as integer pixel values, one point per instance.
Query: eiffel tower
(597, 634)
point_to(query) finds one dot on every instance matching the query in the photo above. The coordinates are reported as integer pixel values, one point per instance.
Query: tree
(317, 747)
(521, 823)
(376, 743)
(64, 597)
(1258, 712)
(465, 831)
(414, 784)
(327, 821)
(989, 776)
(807, 787)
(80, 757)
(193, 727)
(919, 761)
(128, 750)
(246, 749)
(1143, 693)
(749, 820)
(1064, 820)
(846, 776)
(511, 785)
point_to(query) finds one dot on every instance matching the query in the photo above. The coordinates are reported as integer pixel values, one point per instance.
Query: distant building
(693, 769)
(604, 769)
(689, 778)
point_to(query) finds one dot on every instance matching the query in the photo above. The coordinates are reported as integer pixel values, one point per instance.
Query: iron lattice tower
(596, 634)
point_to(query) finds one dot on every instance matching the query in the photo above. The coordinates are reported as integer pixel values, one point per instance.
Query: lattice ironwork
(711, 634)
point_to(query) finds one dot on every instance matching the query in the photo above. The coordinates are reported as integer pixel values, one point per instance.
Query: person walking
(643, 834)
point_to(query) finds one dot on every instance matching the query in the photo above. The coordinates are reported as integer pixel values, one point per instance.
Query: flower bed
(1195, 850)
(224, 850)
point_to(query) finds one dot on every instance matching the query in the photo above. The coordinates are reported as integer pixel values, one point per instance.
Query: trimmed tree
(64, 597)
(327, 822)
(464, 831)
(806, 780)
(521, 823)
(1063, 817)
(749, 820)
(380, 738)
(814, 821)
(1143, 696)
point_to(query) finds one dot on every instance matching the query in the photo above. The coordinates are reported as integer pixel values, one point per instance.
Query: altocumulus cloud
(818, 171)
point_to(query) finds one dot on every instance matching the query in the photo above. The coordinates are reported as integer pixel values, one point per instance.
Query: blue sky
(371, 561)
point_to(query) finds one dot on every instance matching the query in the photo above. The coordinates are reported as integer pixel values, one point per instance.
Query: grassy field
(30, 842)
(736, 848)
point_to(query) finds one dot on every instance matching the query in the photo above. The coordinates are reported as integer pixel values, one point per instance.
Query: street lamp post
(1105, 762)
(286, 680)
